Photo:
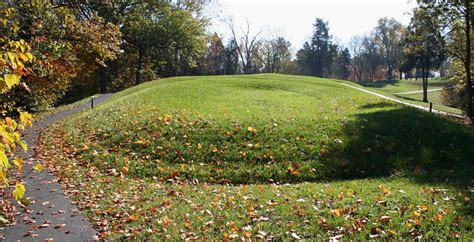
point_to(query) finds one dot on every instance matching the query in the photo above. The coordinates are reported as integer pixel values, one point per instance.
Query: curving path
(50, 215)
(439, 112)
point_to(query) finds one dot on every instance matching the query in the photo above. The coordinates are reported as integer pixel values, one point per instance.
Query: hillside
(181, 152)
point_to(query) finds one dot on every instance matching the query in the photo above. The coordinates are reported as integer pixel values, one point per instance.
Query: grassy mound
(164, 139)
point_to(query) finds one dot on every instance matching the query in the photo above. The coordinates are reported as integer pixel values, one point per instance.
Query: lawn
(398, 89)
(263, 157)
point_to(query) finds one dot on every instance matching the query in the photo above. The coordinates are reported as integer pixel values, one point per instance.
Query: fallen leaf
(133, 217)
(58, 226)
(38, 167)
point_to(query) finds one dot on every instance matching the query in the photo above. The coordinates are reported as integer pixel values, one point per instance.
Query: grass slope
(263, 156)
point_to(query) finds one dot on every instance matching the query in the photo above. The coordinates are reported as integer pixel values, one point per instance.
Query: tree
(69, 47)
(389, 35)
(231, 58)
(159, 38)
(304, 59)
(358, 60)
(343, 63)
(275, 54)
(425, 43)
(323, 51)
(318, 56)
(372, 56)
(15, 59)
(246, 45)
(213, 59)
(458, 15)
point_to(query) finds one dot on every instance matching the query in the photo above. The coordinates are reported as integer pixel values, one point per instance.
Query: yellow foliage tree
(15, 55)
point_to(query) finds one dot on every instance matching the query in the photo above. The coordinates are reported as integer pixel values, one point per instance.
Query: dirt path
(406, 103)
(50, 215)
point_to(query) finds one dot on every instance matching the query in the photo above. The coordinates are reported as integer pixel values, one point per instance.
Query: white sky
(294, 19)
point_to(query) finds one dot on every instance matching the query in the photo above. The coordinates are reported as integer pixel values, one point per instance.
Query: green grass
(393, 88)
(263, 156)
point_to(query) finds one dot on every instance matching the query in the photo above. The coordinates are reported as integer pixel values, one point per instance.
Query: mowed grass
(263, 156)
(398, 89)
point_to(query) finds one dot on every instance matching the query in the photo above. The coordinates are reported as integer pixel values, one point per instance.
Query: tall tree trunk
(138, 74)
(389, 72)
(102, 79)
(425, 84)
(470, 111)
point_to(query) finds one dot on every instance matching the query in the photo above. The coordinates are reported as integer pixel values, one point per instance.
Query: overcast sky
(294, 19)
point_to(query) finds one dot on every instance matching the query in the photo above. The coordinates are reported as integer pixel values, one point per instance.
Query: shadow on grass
(420, 145)
(378, 105)
(408, 98)
(379, 84)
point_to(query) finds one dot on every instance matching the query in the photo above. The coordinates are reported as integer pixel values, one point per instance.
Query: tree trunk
(138, 74)
(102, 79)
(389, 72)
(425, 84)
(470, 111)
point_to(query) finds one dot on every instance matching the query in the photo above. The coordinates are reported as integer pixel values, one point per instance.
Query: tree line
(82, 47)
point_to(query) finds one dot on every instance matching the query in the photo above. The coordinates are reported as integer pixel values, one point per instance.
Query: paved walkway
(407, 103)
(50, 215)
(430, 90)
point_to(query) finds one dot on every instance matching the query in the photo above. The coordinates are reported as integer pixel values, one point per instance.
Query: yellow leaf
(12, 80)
(438, 217)
(416, 214)
(38, 167)
(3, 158)
(30, 56)
(26, 118)
(23, 145)
(336, 212)
(11, 123)
(3, 177)
(167, 119)
(424, 207)
(18, 163)
(24, 57)
(19, 191)
(11, 57)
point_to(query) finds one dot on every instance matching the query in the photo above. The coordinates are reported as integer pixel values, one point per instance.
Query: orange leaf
(133, 217)
(337, 212)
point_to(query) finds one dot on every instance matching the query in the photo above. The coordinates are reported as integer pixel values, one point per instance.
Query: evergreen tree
(231, 58)
(343, 62)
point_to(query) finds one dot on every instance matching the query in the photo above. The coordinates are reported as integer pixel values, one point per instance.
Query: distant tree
(343, 63)
(231, 58)
(323, 51)
(304, 59)
(317, 57)
(388, 35)
(425, 43)
(212, 62)
(407, 64)
(275, 54)
(163, 38)
(289, 67)
(358, 60)
(372, 58)
(246, 45)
